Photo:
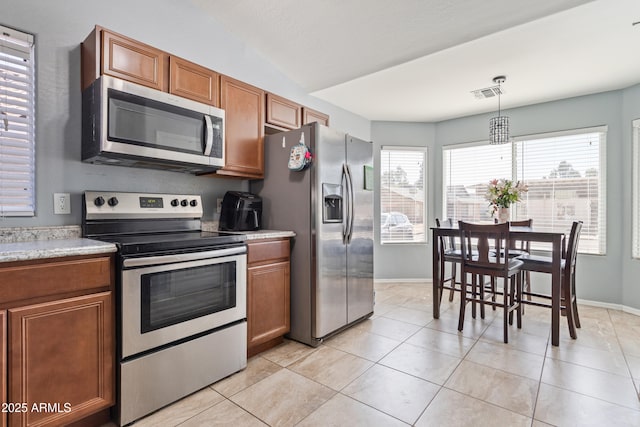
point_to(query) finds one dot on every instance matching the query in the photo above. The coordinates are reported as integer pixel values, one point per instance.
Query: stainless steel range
(181, 296)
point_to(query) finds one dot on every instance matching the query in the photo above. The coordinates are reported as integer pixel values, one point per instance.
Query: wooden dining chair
(543, 264)
(450, 255)
(491, 258)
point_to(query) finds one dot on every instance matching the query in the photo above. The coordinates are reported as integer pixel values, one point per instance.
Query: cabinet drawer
(268, 250)
(29, 281)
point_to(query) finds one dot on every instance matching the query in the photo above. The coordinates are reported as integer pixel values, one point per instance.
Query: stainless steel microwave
(131, 125)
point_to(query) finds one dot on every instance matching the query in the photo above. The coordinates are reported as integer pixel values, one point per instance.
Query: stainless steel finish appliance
(180, 297)
(131, 125)
(330, 207)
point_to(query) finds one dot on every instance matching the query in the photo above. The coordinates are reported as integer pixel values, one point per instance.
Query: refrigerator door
(329, 214)
(360, 240)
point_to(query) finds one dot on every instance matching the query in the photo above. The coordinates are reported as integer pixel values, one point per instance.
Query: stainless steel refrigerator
(329, 205)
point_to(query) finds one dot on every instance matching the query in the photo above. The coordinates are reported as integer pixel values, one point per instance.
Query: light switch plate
(61, 203)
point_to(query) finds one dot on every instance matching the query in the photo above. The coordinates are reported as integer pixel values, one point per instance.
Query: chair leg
(463, 301)
(441, 279)
(574, 300)
(519, 307)
(454, 269)
(474, 295)
(505, 314)
(481, 288)
(568, 303)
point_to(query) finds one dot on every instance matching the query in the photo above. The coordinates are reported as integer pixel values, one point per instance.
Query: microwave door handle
(208, 135)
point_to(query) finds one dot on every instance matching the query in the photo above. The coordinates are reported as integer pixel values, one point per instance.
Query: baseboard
(403, 281)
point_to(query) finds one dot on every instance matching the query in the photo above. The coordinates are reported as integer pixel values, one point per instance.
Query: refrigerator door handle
(347, 208)
(351, 204)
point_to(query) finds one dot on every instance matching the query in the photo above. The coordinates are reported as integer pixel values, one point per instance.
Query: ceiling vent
(488, 92)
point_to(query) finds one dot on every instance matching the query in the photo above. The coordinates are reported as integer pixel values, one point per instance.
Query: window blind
(17, 123)
(635, 248)
(403, 194)
(564, 173)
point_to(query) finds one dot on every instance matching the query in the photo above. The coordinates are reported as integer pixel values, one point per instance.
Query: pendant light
(499, 125)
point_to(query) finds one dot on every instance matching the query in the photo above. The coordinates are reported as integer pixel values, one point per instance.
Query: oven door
(169, 298)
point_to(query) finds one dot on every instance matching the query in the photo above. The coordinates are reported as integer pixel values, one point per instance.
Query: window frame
(602, 182)
(18, 44)
(425, 156)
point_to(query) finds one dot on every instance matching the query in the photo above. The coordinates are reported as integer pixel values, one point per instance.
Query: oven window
(176, 296)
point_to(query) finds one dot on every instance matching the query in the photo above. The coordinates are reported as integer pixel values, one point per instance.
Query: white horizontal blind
(17, 123)
(635, 249)
(403, 194)
(564, 173)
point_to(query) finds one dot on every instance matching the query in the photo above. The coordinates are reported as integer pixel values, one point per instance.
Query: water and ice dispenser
(331, 203)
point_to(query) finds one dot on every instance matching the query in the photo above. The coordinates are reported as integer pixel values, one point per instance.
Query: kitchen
(59, 169)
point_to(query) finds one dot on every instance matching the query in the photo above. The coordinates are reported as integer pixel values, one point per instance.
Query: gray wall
(177, 27)
(611, 278)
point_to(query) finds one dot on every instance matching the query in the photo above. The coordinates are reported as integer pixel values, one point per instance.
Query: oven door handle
(192, 256)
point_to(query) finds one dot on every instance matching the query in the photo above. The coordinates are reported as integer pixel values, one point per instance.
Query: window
(635, 249)
(17, 136)
(403, 195)
(564, 172)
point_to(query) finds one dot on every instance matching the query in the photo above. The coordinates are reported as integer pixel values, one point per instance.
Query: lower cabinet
(58, 350)
(268, 294)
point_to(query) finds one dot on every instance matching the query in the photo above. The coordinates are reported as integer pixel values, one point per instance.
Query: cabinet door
(193, 81)
(3, 365)
(62, 354)
(282, 112)
(268, 299)
(310, 116)
(130, 60)
(244, 128)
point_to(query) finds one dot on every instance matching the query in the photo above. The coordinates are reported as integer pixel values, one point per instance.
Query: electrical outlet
(61, 203)
(219, 204)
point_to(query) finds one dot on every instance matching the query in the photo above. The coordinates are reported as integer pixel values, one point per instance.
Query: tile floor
(402, 367)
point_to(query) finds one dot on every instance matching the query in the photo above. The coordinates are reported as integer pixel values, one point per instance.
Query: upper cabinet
(244, 129)
(283, 113)
(193, 81)
(310, 116)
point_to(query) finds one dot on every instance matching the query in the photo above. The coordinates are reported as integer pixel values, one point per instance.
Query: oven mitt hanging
(300, 156)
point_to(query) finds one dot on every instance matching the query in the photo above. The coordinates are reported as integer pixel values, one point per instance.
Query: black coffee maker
(241, 211)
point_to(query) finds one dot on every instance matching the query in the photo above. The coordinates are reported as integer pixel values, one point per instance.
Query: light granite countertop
(39, 249)
(265, 234)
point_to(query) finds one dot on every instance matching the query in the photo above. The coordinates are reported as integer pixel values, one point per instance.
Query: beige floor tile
(258, 368)
(409, 315)
(422, 304)
(450, 408)
(342, 411)
(423, 363)
(182, 410)
(389, 328)
(506, 390)
(224, 413)
(634, 367)
(443, 342)
(414, 290)
(604, 360)
(393, 299)
(287, 352)
(518, 339)
(506, 358)
(381, 308)
(630, 344)
(561, 407)
(331, 367)
(363, 344)
(395, 393)
(283, 399)
(602, 385)
(472, 328)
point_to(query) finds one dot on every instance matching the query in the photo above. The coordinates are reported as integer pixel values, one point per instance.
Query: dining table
(517, 233)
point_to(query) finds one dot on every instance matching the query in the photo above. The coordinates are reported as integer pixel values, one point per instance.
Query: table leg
(436, 275)
(556, 277)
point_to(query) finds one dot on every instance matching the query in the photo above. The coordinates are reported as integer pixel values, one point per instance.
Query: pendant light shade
(499, 125)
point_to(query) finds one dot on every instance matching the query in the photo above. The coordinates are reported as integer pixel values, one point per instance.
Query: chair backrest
(519, 244)
(571, 253)
(482, 247)
(446, 243)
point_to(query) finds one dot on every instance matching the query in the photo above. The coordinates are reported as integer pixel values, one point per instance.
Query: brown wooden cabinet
(106, 52)
(60, 343)
(268, 294)
(244, 129)
(193, 81)
(310, 116)
(283, 113)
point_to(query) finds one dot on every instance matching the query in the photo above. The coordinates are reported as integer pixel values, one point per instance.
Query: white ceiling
(419, 60)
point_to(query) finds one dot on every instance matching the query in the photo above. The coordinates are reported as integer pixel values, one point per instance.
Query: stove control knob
(194, 203)
(98, 201)
(175, 202)
(112, 201)
(184, 202)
